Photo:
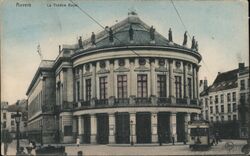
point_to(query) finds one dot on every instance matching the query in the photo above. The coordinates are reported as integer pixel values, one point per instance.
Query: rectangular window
(122, 86)
(217, 118)
(206, 102)
(88, 89)
(178, 87)
(221, 98)
(234, 117)
(216, 109)
(222, 118)
(242, 84)
(211, 99)
(12, 122)
(216, 99)
(103, 87)
(222, 108)
(12, 115)
(161, 85)
(4, 115)
(228, 97)
(229, 118)
(211, 119)
(142, 85)
(68, 131)
(242, 98)
(4, 124)
(206, 114)
(78, 90)
(189, 87)
(211, 110)
(234, 107)
(228, 108)
(234, 96)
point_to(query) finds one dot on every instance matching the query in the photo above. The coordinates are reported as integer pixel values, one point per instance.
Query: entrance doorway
(102, 129)
(122, 128)
(143, 127)
(86, 128)
(164, 127)
(180, 127)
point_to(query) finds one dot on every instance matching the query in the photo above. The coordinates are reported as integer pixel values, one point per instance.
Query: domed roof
(121, 37)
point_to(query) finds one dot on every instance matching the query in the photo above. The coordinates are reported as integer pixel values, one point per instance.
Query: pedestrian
(173, 139)
(78, 141)
(6, 139)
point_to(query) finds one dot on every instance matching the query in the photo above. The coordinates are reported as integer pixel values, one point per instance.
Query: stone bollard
(79, 153)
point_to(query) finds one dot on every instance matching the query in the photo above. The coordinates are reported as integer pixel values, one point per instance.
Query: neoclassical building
(125, 84)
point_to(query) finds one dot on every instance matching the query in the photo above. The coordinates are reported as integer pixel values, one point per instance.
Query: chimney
(241, 66)
(205, 84)
(201, 82)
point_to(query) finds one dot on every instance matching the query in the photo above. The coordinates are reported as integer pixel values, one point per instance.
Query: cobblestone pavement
(143, 149)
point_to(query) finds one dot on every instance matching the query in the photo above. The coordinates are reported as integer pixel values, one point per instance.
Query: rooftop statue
(185, 38)
(152, 33)
(196, 46)
(131, 33)
(111, 37)
(80, 42)
(170, 37)
(93, 38)
(193, 43)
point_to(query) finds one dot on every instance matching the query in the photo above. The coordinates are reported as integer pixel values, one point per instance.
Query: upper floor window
(122, 86)
(242, 98)
(211, 110)
(216, 109)
(234, 107)
(222, 108)
(78, 90)
(4, 115)
(12, 122)
(142, 85)
(228, 97)
(228, 108)
(103, 87)
(189, 87)
(211, 99)
(234, 96)
(4, 124)
(242, 84)
(206, 102)
(221, 98)
(88, 89)
(216, 99)
(161, 85)
(178, 91)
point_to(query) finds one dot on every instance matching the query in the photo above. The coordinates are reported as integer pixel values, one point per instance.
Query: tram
(199, 138)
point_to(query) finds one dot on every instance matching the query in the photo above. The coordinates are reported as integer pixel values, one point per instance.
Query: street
(142, 149)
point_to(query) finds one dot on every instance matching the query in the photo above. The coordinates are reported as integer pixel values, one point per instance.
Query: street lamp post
(132, 141)
(17, 118)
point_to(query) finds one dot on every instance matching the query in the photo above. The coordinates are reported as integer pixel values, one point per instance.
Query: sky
(220, 27)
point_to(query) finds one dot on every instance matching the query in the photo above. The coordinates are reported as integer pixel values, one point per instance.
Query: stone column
(111, 83)
(171, 82)
(173, 125)
(80, 128)
(93, 85)
(187, 131)
(81, 83)
(132, 127)
(194, 82)
(93, 125)
(111, 128)
(185, 80)
(154, 127)
(132, 82)
(152, 78)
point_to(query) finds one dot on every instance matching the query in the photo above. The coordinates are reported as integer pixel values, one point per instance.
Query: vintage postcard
(117, 77)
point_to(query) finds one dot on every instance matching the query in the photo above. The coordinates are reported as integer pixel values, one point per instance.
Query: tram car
(199, 138)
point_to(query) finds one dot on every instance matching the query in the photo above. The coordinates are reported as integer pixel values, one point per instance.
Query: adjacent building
(125, 84)
(221, 102)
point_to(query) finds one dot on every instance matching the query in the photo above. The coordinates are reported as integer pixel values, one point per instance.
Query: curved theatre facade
(126, 84)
